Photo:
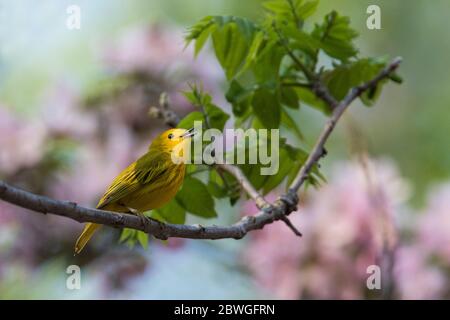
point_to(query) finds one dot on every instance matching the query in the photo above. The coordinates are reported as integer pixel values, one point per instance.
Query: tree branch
(159, 230)
(269, 213)
(318, 150)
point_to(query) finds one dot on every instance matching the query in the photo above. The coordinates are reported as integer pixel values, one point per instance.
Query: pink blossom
(434, 224)
(422, 266)
(160, 52)
(95, 167)
(415, 277)
(21, 142)
(346, 225)
(62, 114)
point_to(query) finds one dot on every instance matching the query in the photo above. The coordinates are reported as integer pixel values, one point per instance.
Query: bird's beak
(188, 133)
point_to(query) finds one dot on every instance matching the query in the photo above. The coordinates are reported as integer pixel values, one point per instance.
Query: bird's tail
(84, 237)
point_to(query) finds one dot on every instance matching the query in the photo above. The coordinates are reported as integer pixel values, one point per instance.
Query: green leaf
(129, 237)
(396, 78)
(195, 198)
(346, 76)
(224, 185)
(369, 97)
(267, 66)
(267, 108)
(231, 37)
(302, 41)
(242, 109)
(307, 9)
(142, 237)
(284, 167)
(199, 32)
(154, 214)
(288, 122)
(126, 233)
(201, 40)
(291, 10)
(336, 36)
(173, 212)
(339, 81)
(254, 50)
(294, 171)
(239, 97)
(230, 48)
(291, 159)
(309, 98)
(253, 174)
(289, 97)
(236, 92)
(216, 190)
(231, 43)
(277, 7)
(197, 96)
(299, 156)
(216, 116)
(188, 121)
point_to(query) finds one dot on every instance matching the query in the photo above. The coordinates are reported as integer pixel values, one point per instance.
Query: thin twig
(288, 222)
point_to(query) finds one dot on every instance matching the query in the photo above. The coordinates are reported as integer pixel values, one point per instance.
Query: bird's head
(173, 142)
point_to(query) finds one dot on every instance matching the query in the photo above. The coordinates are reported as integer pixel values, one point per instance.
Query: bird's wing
(145, 170)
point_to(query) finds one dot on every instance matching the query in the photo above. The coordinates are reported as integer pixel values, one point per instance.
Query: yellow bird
(148, 183)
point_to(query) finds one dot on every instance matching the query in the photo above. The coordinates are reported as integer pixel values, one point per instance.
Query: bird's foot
(141, 215)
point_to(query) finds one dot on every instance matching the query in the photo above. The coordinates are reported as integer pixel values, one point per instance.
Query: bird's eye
(170, 136)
